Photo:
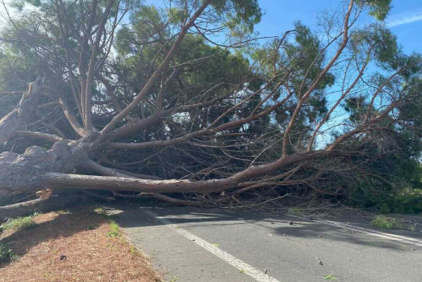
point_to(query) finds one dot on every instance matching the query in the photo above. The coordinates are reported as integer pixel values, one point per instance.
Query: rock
(63, 257)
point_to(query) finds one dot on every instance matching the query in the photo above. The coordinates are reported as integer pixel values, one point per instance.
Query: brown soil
(73, 246)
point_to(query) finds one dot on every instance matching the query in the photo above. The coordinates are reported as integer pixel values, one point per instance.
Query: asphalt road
(187, 244)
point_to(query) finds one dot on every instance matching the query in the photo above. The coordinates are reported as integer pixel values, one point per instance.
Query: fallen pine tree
(159, 108)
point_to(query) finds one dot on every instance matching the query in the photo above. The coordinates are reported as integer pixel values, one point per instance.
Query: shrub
(114, 230)
(6, 254)
(382, 221)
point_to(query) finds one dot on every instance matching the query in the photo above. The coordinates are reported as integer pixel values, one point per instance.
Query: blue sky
(405, 18)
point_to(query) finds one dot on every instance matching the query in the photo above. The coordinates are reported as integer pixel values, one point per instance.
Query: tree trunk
(11, 123)
(55, 202)
(25, 172)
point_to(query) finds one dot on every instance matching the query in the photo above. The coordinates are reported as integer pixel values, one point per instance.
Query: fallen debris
(319, 261)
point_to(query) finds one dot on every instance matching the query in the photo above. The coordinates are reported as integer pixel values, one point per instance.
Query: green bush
(399, 191)
(382, 221)
(407, 201)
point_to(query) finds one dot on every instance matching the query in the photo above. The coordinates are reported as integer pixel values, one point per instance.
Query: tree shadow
(65, 224)
(276, 224)
(311, 230)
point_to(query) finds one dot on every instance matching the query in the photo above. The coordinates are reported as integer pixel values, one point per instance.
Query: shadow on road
(276, 224)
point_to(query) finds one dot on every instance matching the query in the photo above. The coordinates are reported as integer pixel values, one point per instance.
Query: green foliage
(244, 13)
(394, 155)
(6, 254)
(134, 251)
(406, 201)
(382, 42)
(398, 190)
(63, 212)
(145, 23)
(103, 212)
(20, 4)
(197, 67)
(19, 223)
(356, 107)
(100, 211)
(296, 211)
(384, 222)
(306, 56)
(114, 230)
(379, 9)
(330, 277)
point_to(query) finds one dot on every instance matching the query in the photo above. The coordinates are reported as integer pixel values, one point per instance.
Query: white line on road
(258, 275)
(387, 236)
(379, 234)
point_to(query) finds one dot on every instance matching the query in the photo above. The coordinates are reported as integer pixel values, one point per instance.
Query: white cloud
(405, 18)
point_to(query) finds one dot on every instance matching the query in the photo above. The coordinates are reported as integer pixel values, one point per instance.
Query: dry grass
(73, 246)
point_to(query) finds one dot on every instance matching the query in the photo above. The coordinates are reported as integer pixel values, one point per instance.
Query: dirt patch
(73, 246)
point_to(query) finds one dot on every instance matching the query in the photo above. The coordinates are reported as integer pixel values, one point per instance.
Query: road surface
(188, 244)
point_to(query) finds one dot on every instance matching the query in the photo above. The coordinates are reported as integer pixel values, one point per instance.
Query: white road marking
(375, 233)
(258, 275)
(387, 236)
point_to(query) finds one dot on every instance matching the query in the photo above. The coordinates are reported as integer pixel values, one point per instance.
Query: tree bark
(17, 118)
(25, 172)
